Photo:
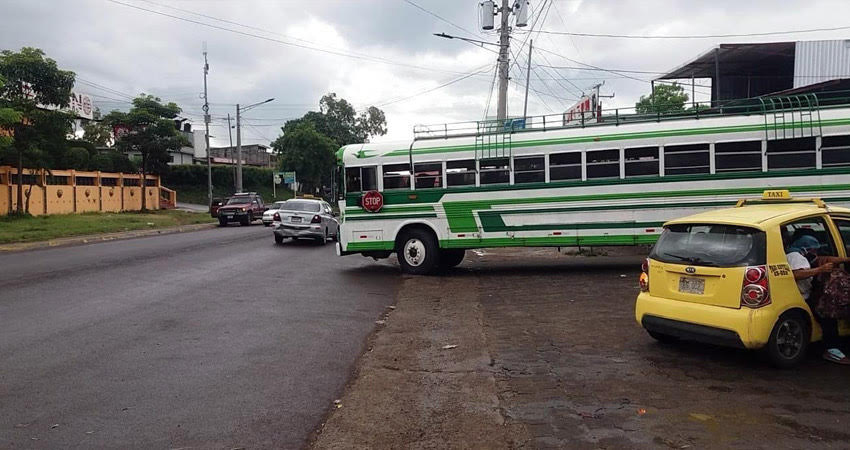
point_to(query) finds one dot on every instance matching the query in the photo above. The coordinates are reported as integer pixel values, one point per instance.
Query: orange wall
(60, 199)
(111, 198)
(36, 199)
(132, 198)
(87, 198)
(4, 199)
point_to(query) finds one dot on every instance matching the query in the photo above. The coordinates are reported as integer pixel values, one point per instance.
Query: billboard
(79, 104)
(584, 109)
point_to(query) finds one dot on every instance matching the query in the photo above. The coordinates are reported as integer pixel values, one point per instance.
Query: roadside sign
(277, 179)
(372, 201)
(288, 177)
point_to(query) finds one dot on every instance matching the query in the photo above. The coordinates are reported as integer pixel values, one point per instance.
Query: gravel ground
(549, 356)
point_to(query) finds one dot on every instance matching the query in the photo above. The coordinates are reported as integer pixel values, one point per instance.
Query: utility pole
(238, 152)
(504, 50)
(230, 149)
(527, 81)
(207, 129)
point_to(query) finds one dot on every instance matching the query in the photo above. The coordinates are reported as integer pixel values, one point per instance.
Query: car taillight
(644, 276)
(316, 219)
(276, 217)
(755, 291)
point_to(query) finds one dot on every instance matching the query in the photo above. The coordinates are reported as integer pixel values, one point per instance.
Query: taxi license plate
(296, 219)
(690, 285)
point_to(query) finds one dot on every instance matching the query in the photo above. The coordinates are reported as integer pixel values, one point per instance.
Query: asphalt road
(216, 338)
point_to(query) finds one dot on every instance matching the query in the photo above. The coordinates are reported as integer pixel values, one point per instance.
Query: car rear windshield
(278, 205)
(294, 205)
(710, 245)
(238, 200)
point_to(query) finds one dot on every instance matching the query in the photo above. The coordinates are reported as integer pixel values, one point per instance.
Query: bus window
(565, 166)
(603, 164)
(428, 175)
(396, 176)
(460, 173)
(796, 153)
(495, 171)
(835, 151)
(369, 178)
(684, 159)
(360, 179)
(641, 161)
(529, 169)
(742, 156)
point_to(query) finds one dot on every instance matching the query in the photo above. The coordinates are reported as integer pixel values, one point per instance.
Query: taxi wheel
(788, 340)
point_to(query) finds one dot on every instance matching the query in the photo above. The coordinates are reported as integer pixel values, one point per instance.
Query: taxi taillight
(644, 276)
(755, 291)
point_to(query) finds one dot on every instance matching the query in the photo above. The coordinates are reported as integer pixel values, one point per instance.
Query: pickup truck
(243, 207)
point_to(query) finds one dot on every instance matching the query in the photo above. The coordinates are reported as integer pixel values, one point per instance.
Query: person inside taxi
(799, 253)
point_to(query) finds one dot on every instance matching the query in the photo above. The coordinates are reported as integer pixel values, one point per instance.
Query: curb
(106, 237)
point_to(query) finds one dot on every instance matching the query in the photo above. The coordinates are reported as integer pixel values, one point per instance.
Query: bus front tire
(451, 257)
(418, 253)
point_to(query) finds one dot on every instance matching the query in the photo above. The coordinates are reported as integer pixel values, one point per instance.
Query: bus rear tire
(451, 257)
(418, 253)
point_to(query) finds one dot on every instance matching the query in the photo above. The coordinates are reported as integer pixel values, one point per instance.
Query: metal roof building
(751, 70)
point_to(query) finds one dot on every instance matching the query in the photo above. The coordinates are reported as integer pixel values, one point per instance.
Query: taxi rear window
(712, 245)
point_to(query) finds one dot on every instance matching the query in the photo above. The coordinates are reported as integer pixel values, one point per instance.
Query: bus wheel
(418, 253)
(451, 257)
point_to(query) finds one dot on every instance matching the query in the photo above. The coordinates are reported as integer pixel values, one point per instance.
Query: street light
(239, 140)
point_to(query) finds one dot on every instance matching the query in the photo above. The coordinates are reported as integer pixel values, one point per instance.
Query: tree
(150, 132)
(309, 153)
(338, 120)
(97, 132)
(32, 83)
(667, 98)
(8, 117)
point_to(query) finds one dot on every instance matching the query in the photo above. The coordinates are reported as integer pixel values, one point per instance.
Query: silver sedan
(305, 218)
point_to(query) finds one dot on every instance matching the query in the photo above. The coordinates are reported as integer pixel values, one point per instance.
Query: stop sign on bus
(373, 201)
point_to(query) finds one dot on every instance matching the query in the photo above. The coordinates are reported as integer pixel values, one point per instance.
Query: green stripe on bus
(390, 210)
(461, 218)
(390, 216)
(401, 197)
(542, 241)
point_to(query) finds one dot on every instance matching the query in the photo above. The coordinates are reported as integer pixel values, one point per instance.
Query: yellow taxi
(722, 276)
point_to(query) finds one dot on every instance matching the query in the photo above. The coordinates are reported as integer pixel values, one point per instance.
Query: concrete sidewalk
(104, 237)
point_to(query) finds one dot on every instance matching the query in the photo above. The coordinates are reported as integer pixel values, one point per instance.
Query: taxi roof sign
(777, 194)
(780, 196)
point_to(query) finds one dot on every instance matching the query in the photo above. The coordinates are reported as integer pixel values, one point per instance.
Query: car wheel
(324, 239)
(417, 252)
(451, 257)
(267, 224)
(278, 239)
(247, 220)
(663, 338)
(788, 340)
(222, 222)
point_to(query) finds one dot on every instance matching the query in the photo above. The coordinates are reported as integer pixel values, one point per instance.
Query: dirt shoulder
(549, 356)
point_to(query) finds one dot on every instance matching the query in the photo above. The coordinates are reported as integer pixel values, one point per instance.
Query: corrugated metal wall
(817, 61)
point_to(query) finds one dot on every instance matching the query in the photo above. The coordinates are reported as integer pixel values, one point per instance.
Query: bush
(253, 178)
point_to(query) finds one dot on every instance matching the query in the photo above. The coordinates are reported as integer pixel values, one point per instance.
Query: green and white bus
(610, 180)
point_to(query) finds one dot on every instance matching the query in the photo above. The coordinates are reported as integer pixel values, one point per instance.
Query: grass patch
(43, 228)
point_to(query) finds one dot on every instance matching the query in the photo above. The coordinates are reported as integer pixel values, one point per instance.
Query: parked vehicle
(244, 207)
(722, 276)
(214, 205)
(268, 215)
(305, 218)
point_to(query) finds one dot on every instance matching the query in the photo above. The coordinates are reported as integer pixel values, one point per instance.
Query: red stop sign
(373, 201)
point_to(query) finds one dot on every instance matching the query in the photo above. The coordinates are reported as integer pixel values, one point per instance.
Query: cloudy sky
(380, 52)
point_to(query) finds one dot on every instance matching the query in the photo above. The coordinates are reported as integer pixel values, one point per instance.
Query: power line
(476, 72)
(351, 55)
(695, 36)
(440, 17)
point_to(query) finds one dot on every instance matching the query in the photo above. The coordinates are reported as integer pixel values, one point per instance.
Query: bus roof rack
(779, 196)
